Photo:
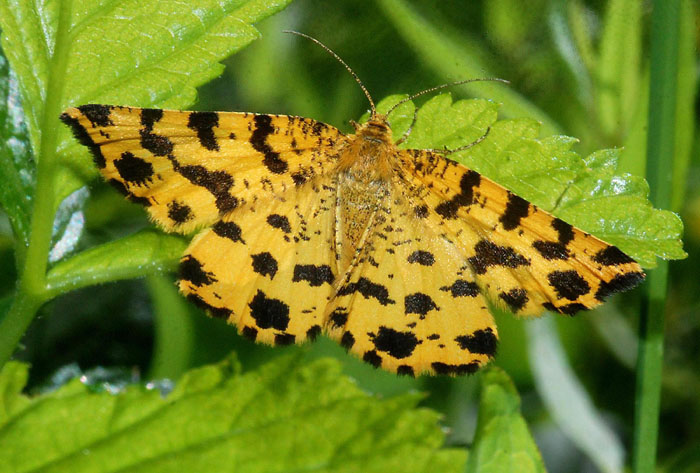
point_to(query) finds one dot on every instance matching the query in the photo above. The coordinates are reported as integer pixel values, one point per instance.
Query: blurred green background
(580, 67)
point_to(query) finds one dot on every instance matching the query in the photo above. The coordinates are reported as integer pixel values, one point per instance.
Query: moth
(304, 230)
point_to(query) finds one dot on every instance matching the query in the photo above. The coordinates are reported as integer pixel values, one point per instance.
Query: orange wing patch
(521, 255)
(306, 230)
(191, 168)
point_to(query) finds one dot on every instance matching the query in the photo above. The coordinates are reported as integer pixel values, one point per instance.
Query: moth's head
(376, 129)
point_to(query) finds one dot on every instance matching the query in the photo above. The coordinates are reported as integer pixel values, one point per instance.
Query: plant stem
(31, 291)
(660, 147)
(174, 337)
(15, 323)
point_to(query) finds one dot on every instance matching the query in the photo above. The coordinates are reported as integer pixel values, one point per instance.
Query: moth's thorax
(367, 155)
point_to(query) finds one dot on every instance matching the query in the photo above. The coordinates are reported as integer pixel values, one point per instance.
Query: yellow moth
(306, 230)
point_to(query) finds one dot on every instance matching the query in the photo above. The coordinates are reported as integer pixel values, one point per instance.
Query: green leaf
(285, 416)
(13, 378)
(502, 441)
(615, 207)
(68, 224)
(132, 52)
(588, 193)
(17, 170)
(137, 255)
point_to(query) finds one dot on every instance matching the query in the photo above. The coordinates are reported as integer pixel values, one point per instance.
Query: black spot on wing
(258, 140)
(339, 317)
(158, 145)
(318, 128)
(228, 230)
(134, 170)
(421, 211)
(483, 342)
(489, 254)
(119, 186)
(97, 114)
(264, 264)
(396, 344)
(424, 258)
(368, 289)
(515, 298)
(298, 178)
(251, 333)
(313, 274)
(462, 288)
(551, 250)
(567, 309)
(203, 123)
(419, 303)
(150, 116)
(405, 370)
(517, 208)
(612, 256)
(372, 358)
(269, 312)
(568, 284)
(313, 332)
(284, 339)
(216, 312)
(218, 183)
(621, 282)
(565, 231)
(347, 340)
(179, 213)
(447, 369)
(448, 209)
(279, 221)
(191, 270)
(84, 139)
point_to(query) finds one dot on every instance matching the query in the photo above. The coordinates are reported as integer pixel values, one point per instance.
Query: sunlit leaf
(285, 416)
(17, 170)
(502, 441)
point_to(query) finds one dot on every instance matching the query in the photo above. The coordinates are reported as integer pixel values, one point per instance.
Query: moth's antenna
(433, 89)
(330, 51)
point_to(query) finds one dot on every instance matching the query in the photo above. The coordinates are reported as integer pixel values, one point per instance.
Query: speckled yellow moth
(305, 230)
